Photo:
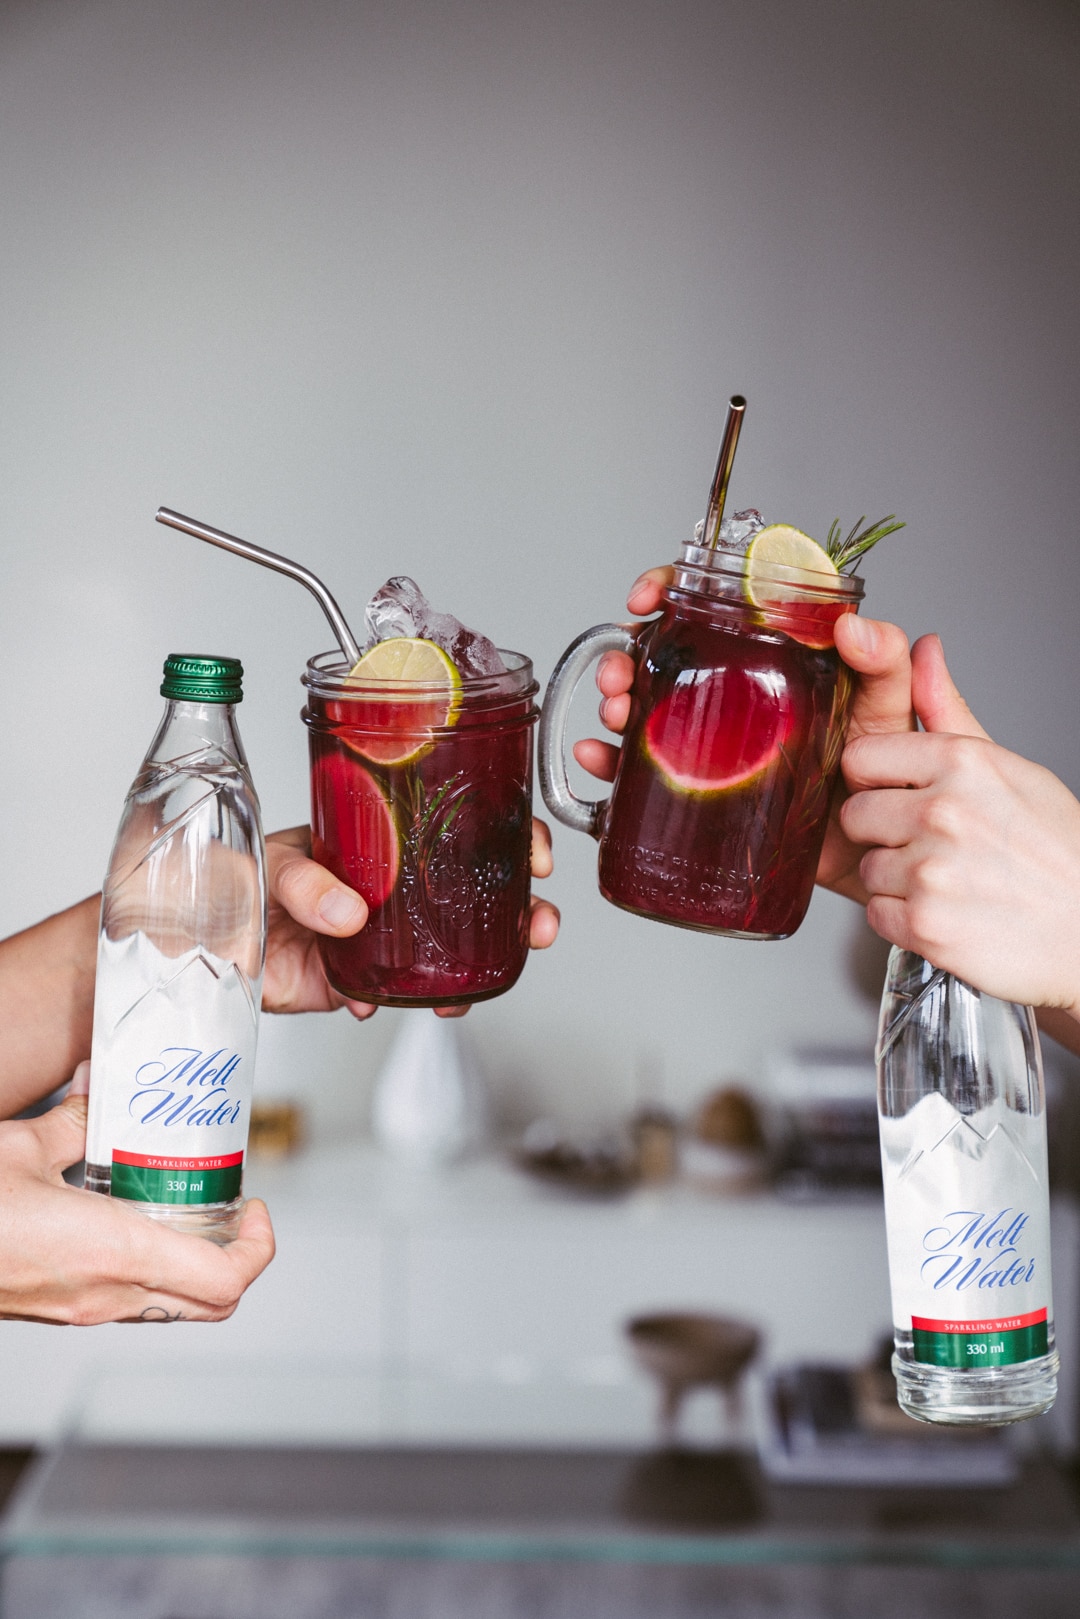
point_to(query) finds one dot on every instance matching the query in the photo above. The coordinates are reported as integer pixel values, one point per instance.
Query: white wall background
(460, 290)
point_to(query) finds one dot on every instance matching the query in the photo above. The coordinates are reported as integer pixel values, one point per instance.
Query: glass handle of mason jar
(580, 813)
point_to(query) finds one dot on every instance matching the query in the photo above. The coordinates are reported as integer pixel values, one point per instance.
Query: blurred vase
(428, 1104)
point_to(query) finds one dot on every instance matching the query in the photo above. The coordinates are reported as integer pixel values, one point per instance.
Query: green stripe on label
(979, 1349)
(141, 1185)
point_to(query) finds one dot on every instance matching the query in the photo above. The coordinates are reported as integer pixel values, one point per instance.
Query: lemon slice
(402, 728)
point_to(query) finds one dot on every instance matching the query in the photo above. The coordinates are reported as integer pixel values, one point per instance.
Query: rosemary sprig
(844, 551)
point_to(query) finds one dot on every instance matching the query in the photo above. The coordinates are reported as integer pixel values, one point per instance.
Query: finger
(187, 1267)
(646, 591)
(878, 652)
(294, 837)
(908, 760)
(887, 816)
(937, 702)
(254, 1246)
(540, 852)
(888, 916)
(61, 1135)
(544, 922)
(360, 1010)
(312, 895)
(615, 712)
(600, 759)
(886, 873)
(80, 1080)
(450, 1011)
(615, 673)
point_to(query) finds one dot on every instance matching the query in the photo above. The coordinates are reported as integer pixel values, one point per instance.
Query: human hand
(876, 651)
(976, 857)
(306, 900)
(73, 1257)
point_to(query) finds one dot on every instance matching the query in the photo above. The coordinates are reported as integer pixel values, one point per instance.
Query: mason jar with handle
(738, 713)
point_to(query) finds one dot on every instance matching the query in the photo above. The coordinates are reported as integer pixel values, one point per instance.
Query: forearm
(46, 1003)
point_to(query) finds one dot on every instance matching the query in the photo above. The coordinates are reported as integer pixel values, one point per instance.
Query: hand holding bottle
(70, 1257)
(977, 857)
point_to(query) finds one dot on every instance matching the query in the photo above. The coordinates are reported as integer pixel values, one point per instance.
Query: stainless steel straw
(270, 559)
(718, 493)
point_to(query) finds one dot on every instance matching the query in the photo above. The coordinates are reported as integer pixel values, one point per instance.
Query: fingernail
(638, 585)
(80, 1081)
(339, 907)
(862, 632)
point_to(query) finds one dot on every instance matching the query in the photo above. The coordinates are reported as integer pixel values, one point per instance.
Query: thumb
(312, 895)
(934, 697)
(61, 1132)
(878, 653)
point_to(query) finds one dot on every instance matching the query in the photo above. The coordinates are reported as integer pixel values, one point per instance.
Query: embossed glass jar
(737, 721)
(423, 804)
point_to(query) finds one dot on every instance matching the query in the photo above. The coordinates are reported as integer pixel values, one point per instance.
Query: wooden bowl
(684, 1351)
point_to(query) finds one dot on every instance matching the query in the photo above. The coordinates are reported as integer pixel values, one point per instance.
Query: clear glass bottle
(962, 1114)
(180, 963)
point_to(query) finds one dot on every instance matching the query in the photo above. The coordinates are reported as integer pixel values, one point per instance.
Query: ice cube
(401, 608)
(739, 529)
(736, 531)
(397, 608)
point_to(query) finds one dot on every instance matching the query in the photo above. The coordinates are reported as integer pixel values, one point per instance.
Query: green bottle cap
(191, 679)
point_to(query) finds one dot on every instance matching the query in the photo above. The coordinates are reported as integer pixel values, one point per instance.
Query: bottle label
(149, 1178)
(968, 1218)
(171, 1073)
(1000, 1342)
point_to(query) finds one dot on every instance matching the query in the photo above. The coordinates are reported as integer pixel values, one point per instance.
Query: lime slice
(408, 658)
(402, 728)
(804, 619)
(781, 546)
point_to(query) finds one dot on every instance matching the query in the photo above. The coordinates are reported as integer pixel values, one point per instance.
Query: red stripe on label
(143, 1160)
(1002, 1323)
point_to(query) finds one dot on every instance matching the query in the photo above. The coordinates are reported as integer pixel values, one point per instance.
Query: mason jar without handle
(738, 714)
(421, 800)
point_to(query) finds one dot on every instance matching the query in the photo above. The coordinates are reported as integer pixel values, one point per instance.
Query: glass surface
(428, 815)
(677, 1507)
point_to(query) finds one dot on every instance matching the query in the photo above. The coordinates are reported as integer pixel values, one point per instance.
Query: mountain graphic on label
(955, 1136)
(182, 987)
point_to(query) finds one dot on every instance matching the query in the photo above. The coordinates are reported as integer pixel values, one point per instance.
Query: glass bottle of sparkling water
(180, 964)
(963, 1148)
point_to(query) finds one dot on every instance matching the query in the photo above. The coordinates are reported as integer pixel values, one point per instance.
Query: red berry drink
(421, 801)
